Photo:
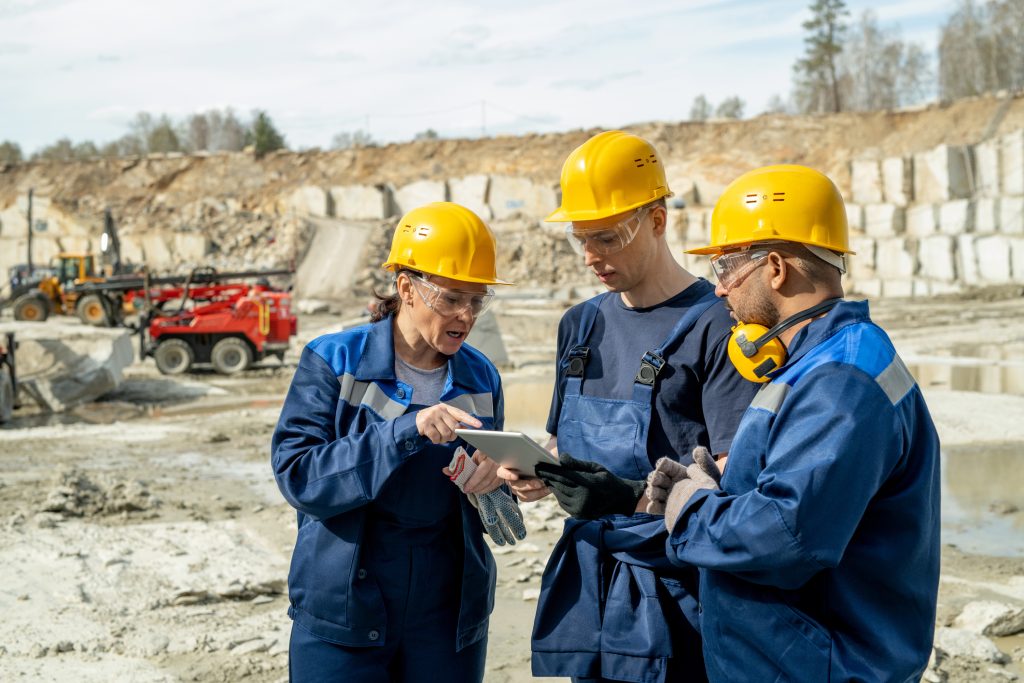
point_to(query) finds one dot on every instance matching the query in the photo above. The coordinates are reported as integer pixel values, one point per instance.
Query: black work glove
(587, 490)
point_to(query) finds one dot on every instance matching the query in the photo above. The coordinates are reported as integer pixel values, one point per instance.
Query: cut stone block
(866, 181)
(942, 174)
(1017, 258)
(61, 365)
(967, 260)
(855, 216)
(922, 220)
(511, 196)
(1011, 215)
(883, 220)
(190, 247)
(418, 193)
(158, 254)
(987, 168)
(994, 259)
(898, 180)
(937, 255)
(986, 214)
(868, 287)
(486, 338)
(360, 202)
(897, 289)
(956, 217)
(920, 288)
(338, 248)
(862, 263)
(895, 258)
(471, 192)
(697, 227)
(309, 200)
(1012, 163)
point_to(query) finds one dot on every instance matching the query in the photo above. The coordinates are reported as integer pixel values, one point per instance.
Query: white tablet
(513, 450)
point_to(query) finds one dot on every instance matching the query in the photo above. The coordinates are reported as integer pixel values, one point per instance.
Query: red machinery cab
(230, 334)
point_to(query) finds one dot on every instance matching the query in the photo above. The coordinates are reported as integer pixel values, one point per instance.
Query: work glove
(498, 510)
(671, 485)
(587, 490)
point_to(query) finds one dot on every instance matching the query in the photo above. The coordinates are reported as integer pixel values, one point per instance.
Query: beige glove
(670, 486)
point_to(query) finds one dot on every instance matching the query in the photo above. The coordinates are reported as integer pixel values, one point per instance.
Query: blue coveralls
(390, 577)
(819, 556)
(611, 605)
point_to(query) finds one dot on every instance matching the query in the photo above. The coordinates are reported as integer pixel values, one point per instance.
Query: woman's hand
(438, 423)
(485, 478)
(526, 489)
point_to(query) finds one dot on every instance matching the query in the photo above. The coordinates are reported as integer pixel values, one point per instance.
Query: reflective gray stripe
(770, 397)
(369, 395)
(481, 405)
(895, 380)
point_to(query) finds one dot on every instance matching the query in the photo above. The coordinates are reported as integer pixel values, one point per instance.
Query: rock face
(991, 618)
(61, 365)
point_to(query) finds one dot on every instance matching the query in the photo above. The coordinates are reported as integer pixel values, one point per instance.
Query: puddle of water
(986, 368)
(983, 500)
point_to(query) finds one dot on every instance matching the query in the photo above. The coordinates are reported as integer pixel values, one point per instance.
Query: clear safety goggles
(608, 240)
(450, 302)
(732, 267)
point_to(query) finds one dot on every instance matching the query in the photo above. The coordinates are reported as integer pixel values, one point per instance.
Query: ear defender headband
(755, 350)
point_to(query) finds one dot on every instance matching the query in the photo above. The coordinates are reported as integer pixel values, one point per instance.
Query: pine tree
(817, 80)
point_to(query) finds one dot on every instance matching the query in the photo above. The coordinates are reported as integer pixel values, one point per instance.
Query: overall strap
(576, 358)
(654, 360)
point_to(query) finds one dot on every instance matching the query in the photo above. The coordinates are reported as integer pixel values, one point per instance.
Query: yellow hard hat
(783, 202)
(444, 239)
(609, 174)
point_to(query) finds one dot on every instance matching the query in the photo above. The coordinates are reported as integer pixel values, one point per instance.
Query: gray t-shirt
(427, 385)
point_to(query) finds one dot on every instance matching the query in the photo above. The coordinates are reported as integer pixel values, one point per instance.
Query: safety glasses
(450, 302)
(605, 241)
(731, 268)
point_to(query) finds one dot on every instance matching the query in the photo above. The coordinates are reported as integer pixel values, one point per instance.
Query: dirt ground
(142, 537)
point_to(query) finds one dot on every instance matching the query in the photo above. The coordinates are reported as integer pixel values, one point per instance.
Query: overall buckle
(650, 365)
(578, 356)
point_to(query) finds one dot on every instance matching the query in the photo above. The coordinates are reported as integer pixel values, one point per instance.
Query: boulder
(471, 192)
(943, 173)
(956, 642)
(937, 255)
(897, 180)
(866, 181)
(360, 202)
(63, 364)
(418, 193)
(986, 169)
(511, 196)
(1012, 163)
(991, 618)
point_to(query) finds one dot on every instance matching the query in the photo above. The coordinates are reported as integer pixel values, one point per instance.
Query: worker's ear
(778, 270)
(404, 287)
(659, 220)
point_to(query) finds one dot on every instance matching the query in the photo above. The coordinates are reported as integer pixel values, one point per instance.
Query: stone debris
(76, 494)
(957, 642)
(991, 618)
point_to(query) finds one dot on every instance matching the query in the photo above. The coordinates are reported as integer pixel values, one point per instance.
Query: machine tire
(231, 355)
(31, 307)
(6, 395)
(92, 309)
(173, 356)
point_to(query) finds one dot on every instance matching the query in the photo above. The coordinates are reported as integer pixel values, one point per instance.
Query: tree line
(863, 66)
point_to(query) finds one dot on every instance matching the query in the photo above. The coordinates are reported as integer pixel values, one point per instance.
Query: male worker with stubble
(819, 547)
(642, 373)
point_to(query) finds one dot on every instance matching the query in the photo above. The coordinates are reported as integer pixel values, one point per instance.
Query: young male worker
(819, 548)
(642, 374)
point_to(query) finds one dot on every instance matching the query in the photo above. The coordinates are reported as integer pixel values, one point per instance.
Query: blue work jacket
(819, 556)
(344, 430)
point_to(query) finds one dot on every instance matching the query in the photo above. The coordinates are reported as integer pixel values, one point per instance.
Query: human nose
(721, 290)
(590, 257)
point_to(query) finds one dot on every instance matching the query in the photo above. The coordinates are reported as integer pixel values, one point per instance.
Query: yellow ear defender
(756, 350)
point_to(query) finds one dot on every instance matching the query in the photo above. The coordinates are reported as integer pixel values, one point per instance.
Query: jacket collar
(844, 314)
(378, 358)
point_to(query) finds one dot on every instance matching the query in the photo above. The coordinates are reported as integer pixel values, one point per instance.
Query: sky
(83, 68)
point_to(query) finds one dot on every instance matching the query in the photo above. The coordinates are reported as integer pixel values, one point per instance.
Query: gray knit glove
(498, 510)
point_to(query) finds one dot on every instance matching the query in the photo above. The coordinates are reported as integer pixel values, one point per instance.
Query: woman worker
(391, 579)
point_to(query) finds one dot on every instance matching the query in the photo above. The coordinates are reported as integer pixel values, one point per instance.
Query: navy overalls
(391, 578)
(611, 604)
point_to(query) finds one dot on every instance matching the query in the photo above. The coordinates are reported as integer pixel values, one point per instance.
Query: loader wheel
(32, 308)
(173, 356)
(230, 355)
(92, 310)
